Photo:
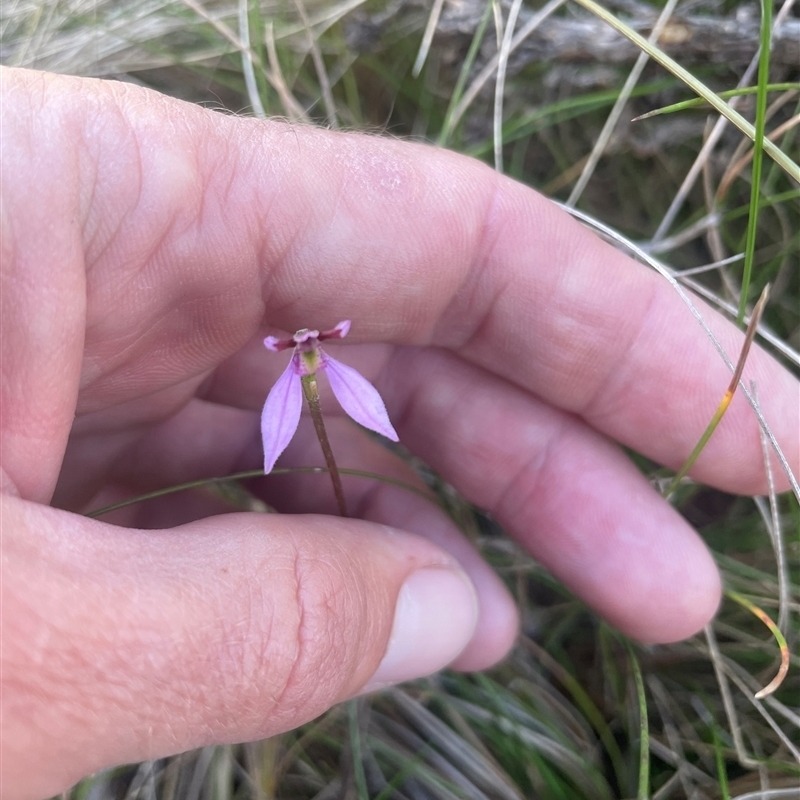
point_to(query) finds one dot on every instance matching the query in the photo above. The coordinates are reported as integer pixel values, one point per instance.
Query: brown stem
(311, 393)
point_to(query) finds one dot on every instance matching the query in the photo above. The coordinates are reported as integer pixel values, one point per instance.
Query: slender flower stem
(311, 392)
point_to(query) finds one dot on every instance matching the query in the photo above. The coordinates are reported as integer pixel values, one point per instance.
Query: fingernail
(434, 620)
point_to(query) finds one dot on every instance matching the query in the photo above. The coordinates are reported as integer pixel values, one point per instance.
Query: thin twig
(487, 72)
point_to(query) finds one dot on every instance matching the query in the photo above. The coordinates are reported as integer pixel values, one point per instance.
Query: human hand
(147, 247)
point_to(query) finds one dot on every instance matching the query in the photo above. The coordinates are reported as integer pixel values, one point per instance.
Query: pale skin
(147, 248)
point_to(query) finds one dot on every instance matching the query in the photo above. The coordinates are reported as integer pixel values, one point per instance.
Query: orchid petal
(276, 345)
(339, 331)
(281, 415)
(359, 398)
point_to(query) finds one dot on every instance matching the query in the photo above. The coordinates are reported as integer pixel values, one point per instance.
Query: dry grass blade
(723, 262)
(782, 347)
(294, 111)
(319, 66)
(502, 64)
(427, 37)
(247, 62)
(735, 169)
(770, 794)
(772, 522)
(482, 771)
(670, 727)
(483, 76)
(780, 158)
(531, 733)
(712, 140)
(613, 118)
(727, 700)
(734, 673)
(775, 683)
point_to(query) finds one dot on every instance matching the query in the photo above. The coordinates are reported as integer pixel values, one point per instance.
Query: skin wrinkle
(103, 160)
(599, 400)
(55, 257)
(277, 261)
(298, 638)
(511, 501)
(319, 651)
(161, 251)
(449, 329)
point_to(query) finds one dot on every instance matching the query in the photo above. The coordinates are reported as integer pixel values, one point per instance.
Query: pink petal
(281, 415)
(276, 345)
(359, 398)
(337, 332)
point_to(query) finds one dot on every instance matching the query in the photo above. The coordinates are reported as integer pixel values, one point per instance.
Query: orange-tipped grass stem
(779, 638)
(728, 396)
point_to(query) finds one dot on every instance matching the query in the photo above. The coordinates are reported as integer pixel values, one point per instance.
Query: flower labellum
(357, 396)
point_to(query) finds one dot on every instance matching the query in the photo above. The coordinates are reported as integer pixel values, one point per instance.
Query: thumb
(124, 645)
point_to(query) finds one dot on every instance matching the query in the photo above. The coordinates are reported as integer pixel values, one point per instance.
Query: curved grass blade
(779, 638)
(259, 473)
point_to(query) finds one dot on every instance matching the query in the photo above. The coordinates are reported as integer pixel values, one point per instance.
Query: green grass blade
(758, 152)
(354, 728)
(461, 82)
(719, 761)
(643, 792)
(697, 102)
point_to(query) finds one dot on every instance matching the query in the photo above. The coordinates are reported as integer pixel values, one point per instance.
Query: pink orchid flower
(357, 396)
